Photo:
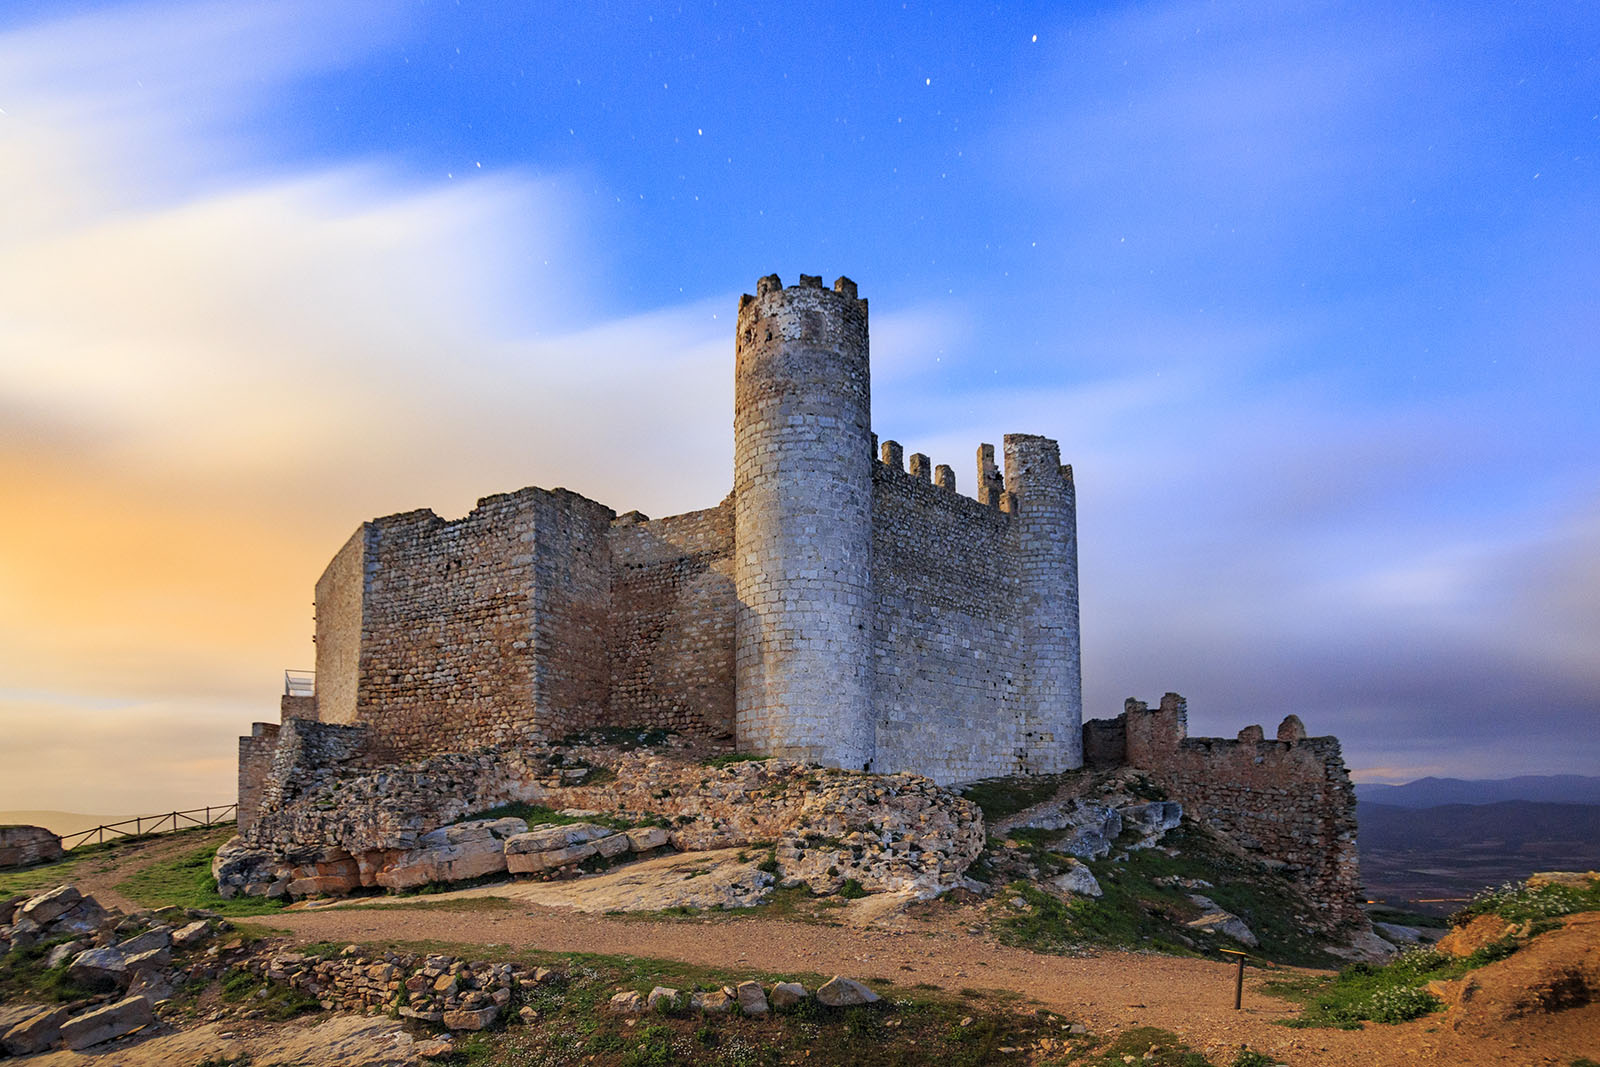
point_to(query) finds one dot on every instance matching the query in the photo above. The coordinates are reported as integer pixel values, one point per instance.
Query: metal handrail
(299, 683)
(153, 824)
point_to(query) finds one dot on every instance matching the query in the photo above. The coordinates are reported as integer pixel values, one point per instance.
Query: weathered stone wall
(23, 846)
(1289, 799)
(802, 487)
(947, 646)
(340, 600)
(672, 622)
(255, 765)
(571, 604)
(486, 629)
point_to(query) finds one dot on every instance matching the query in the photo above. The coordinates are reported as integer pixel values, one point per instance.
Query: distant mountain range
(1509, 827)
(1434, 792)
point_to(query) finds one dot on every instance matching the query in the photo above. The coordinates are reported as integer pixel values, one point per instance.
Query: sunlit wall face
(1305, 298)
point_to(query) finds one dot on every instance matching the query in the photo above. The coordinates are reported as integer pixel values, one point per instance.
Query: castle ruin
(836, 608)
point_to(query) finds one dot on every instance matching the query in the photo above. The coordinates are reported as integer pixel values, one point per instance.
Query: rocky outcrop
(126, 959)
(881, 832)
(25, 846)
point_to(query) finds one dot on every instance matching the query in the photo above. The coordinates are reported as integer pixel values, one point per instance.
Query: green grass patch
(1520, 903)
(24, 976)
(999, 797)
(1137, 911)
(1148, 1046)
(538, 815)
(187, 883)
(1392, 993)
(277, 1002)
(728, 759)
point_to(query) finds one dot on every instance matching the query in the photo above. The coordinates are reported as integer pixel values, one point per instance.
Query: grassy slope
(1398, 991)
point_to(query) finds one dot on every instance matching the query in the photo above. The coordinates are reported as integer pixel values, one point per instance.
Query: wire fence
(153, 824)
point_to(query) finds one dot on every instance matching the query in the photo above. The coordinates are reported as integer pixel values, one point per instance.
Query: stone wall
(1288, 799)
(672, 622)
(489, 628)
(340, 602)
(255, 767)
(947, 646)
(24, 846)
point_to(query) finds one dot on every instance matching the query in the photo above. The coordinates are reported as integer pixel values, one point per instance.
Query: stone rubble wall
(1290, 799)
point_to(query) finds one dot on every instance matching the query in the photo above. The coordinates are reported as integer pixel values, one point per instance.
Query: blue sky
(1308, 295)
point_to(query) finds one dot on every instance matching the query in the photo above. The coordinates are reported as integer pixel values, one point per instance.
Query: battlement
(771, 284)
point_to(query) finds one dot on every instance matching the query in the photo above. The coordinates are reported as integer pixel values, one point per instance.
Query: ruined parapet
(1040, 497)
(1289, 799)
(803, 523)
(255, 766)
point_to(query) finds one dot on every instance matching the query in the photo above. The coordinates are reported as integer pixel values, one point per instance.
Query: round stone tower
(802, 483)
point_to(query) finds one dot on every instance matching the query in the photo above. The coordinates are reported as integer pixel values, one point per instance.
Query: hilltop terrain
(1009, 978)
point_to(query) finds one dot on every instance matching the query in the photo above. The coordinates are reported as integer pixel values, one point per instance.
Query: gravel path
(1110, 991)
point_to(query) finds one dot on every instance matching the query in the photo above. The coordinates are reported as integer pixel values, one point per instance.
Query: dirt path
(1111, 991)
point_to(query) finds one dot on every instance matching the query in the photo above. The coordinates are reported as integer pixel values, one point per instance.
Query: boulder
(1077, 880)
(1216, 920)
(787, 994)
(752, 998)
(627, 1002)
(46, 908)
(99, 968)
(25, 846)
(1151, 821)
(645, 838)
(10, 906)
(551, 838)
(85, 917)
(662, 998)
(104, 1024)
(531, 862)
(451, 854)
(155, 938)
(615, 845)
(187, 937)
(35, 1034)
(63, 952)
(153, 985)
(840, 992)
(154, 959)
(714, 1003)
(464, 1019)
